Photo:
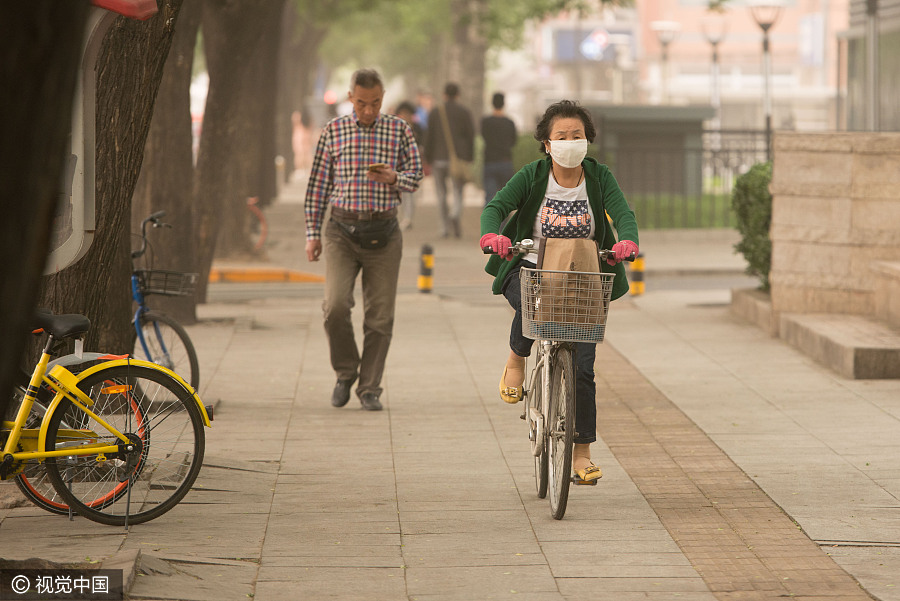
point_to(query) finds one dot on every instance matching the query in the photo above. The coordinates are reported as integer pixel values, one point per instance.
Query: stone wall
(835, 214)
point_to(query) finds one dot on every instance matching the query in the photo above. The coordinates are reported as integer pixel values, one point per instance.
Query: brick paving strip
(743, 545)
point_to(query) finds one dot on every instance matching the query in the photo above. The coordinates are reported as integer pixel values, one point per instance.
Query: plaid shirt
(343, 155)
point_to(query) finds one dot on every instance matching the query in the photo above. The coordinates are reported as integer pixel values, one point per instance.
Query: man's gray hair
(366, 78)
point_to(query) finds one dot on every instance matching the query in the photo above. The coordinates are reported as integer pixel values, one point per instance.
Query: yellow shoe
(588, 475)
(509, 394)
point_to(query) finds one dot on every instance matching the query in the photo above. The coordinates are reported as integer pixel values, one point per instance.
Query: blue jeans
(585, 353)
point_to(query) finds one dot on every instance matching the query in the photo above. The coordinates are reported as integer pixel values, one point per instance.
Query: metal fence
(686, 184)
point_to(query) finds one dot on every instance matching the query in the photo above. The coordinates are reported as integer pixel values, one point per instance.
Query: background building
(660, 52)
(884, 95)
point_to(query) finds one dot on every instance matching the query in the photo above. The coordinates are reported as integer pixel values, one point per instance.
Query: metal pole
(665, 74)
(872, 91)
(767, 98)
(715, 97)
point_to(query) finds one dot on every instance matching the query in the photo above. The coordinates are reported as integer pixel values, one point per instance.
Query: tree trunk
(228, 159)
(40, 49)
(287, 102)
(298, 66)
(468, 53)
(262, 105)
(129, 69)
(167, 177)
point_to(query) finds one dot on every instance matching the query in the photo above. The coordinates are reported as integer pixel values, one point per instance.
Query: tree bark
(298, 66)
(40, 49)
(263, 103)
(230, 146)
(129, 69)
(468, 53)
(167, 176)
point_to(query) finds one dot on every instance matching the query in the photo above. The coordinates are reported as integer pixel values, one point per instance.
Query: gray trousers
(450, 210)
(344, 260)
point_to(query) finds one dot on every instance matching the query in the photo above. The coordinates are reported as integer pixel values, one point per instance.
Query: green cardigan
(524, 194)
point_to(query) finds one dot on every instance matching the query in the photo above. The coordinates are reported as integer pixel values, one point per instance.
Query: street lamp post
(666, 31)
(714, 27)
(766, 14)
(873, 107)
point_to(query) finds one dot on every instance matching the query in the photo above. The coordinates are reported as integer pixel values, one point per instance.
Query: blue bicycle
(159, 338)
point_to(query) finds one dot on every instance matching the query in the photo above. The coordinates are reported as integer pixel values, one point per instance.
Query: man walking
(499, 133)
(450, 131)
(363, 161)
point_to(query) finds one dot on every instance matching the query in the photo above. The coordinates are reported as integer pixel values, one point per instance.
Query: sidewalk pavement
(734, 466)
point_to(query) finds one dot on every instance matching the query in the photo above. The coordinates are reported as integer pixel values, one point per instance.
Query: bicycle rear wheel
(163, 341)
(561, 429)
(163, 422)
(33, 481)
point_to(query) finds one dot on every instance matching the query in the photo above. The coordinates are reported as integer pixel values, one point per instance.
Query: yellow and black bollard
(637, 276)
(426, 266)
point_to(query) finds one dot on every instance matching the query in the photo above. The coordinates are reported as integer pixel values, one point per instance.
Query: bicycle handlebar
(155, 219)
(527, 245)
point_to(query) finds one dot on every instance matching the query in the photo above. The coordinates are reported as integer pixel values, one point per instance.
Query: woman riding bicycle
(563, 195)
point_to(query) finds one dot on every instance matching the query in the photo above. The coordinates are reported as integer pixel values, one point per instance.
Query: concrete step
(854, 346)
(887, 291)
(755, 306)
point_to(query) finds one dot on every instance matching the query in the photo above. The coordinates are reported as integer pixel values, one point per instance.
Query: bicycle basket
(166, 283)
(565, 306)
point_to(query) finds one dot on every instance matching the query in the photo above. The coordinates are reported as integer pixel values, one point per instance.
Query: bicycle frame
(142, 308)
(65, 384)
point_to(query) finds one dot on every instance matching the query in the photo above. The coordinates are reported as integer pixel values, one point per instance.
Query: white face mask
(568, 153)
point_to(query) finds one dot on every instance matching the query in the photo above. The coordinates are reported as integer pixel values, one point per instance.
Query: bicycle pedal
(579, 482)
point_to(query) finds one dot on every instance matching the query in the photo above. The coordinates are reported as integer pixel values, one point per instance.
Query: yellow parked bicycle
(121, 442)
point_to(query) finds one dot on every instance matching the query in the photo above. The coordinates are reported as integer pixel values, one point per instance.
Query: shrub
(752, 204)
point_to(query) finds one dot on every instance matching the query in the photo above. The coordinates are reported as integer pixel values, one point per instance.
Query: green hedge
(752, 204)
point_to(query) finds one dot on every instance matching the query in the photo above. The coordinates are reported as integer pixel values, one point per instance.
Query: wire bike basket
(565, 306)
(166, 283)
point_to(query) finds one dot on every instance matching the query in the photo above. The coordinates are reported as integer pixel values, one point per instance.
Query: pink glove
(622, 250)
(497, 243)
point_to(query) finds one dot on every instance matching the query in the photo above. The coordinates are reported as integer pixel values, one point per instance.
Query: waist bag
(370, 235)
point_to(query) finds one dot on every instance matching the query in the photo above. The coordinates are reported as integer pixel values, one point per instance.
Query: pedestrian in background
(499, 133)
(450, 129)
(407, 111)
(564, 195)
(362, 161)
(424, 104)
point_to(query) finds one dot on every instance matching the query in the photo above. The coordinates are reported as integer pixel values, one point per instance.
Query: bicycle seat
(62, 326)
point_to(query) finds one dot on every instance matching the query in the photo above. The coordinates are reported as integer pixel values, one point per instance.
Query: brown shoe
(341, 393)
(370, 402)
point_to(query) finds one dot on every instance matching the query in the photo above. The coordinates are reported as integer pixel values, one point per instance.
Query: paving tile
(708, 505)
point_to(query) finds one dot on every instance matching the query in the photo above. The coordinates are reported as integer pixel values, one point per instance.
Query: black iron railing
(688, 186)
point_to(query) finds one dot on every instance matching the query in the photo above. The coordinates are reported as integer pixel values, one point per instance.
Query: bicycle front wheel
(540, 453)
(164, 424)
(561, 429)
(165, 342)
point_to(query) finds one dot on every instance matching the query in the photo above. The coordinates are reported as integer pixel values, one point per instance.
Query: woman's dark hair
(564, 109)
